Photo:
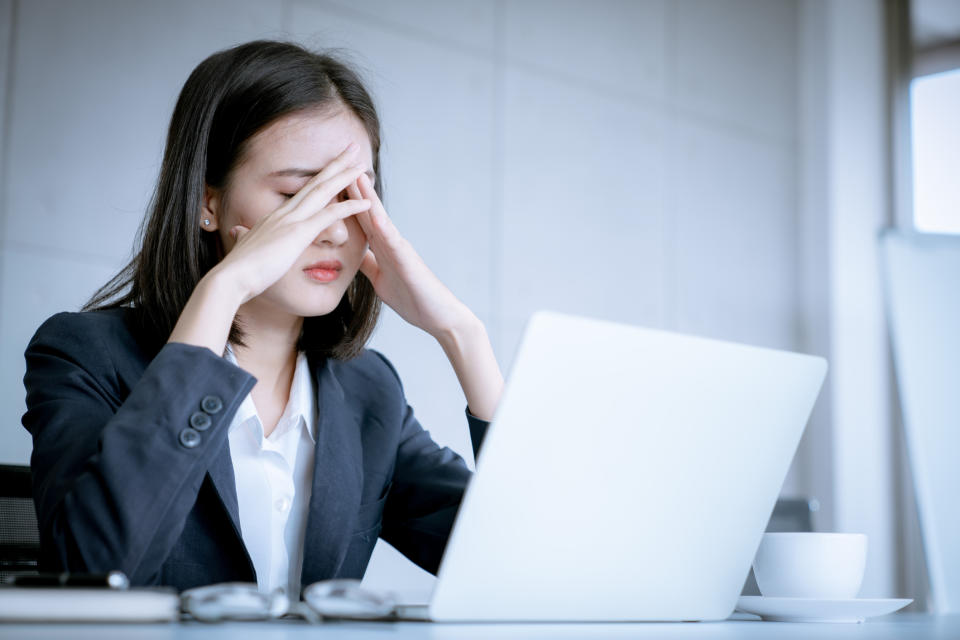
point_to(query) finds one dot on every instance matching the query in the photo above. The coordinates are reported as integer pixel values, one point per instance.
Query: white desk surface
(898, 626)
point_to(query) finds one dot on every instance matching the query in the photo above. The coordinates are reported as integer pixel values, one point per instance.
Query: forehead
(309, 139)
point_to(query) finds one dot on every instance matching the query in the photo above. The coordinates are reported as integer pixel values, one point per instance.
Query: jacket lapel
(225, 483)
(337, 479)
(221, 473)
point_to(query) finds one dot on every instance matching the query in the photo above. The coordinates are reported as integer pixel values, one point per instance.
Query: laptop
(628, 475)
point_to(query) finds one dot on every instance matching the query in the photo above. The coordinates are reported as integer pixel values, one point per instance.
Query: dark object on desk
(112, 580)
(19, 535)
(789, 514)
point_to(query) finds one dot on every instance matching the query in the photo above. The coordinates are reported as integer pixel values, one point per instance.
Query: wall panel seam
(7, 125)
(399, 29)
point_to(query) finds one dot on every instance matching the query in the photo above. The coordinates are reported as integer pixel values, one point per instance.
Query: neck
(270, 353)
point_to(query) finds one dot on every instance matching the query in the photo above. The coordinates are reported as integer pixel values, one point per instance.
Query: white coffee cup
(827, 566)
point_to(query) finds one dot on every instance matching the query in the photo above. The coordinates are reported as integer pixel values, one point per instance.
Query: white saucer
(813, 610)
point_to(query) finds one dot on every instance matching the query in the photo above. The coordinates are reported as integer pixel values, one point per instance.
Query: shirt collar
(302, 399)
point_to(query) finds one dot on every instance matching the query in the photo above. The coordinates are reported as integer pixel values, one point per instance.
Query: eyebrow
(305, 173)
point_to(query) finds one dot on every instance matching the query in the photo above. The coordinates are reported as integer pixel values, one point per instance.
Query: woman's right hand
(262, 254)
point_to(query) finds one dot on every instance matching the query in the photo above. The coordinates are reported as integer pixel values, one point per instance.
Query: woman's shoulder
(87, 330)
(82, 323)
(369, 379)
(370, 366)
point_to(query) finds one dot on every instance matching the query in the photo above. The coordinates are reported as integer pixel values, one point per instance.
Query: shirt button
(189, 438)
(282, 505)
(211, 404)
(200, 421)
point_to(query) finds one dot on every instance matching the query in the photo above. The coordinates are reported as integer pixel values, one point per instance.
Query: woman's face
(279, 160)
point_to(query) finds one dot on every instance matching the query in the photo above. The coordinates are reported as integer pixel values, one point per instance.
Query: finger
(347, 158)
(381, 222)
(238, 232)
(323, 193)
(333, 212)
(366, 190)
(366, 225)
(354, 191)
(377, 210)
(369, 266)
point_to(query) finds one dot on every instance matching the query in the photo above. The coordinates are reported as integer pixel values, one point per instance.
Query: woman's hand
(265, 252)
(262, 254)
(399, 275)
(406, 284)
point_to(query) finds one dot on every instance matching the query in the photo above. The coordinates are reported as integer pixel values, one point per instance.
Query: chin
(314, 308)
(306, 300)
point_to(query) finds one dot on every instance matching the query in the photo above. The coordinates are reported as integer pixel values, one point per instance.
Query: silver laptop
(628, 475)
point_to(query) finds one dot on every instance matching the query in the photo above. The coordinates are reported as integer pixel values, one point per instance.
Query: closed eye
(340, 196)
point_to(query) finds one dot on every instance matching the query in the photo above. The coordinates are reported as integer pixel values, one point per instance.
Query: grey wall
(635, 161)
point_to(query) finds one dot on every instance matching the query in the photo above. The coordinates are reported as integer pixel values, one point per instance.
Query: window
(935, 108)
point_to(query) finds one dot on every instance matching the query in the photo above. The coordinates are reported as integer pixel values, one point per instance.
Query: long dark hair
(227, 99)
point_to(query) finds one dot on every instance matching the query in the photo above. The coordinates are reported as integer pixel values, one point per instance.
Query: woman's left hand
(399, 275)
(403, 281)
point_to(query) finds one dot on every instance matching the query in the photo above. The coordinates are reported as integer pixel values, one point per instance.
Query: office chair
(19, 535)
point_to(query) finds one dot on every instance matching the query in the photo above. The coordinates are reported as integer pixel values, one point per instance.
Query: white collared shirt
(274, 481)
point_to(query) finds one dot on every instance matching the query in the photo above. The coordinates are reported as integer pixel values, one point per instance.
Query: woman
(212, 414)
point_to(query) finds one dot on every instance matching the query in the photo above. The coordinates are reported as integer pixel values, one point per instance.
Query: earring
(206, 221)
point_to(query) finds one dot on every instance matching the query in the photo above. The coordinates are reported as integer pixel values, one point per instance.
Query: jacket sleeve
(427, 487)
(116, 471)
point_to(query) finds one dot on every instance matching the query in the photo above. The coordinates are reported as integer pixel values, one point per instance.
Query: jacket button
(200, 421)
(211, 404)
(189, 438)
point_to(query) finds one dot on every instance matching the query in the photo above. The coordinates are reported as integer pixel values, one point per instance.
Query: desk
(899, 626)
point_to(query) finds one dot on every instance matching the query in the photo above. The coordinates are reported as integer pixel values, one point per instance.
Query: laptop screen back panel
(628, 475)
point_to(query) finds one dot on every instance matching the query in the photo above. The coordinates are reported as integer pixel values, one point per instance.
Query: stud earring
(206, 221)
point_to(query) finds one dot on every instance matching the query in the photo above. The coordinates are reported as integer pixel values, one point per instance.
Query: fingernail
(350, 147)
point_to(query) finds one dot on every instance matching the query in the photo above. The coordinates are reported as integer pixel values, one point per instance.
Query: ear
(210, 209)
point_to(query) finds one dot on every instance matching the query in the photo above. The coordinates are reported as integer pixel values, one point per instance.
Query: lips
(329, 265)
(324, 270)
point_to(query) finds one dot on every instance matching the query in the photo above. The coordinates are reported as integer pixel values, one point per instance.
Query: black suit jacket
(126, 476)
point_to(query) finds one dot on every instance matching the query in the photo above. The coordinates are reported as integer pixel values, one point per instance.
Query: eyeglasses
(238, 601)
(345, 598)
(338, 598)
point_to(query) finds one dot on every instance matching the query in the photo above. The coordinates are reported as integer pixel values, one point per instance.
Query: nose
(334, 235)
